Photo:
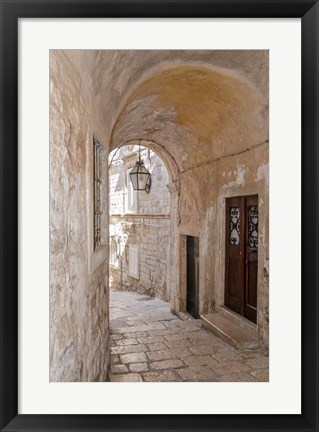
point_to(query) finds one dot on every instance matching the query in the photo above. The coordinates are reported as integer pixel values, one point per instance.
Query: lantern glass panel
(133, 177)
(139, 176)
(142, 179)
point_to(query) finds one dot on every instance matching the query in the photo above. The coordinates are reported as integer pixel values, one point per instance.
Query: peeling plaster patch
(262, 173)
(241, 171)
(240, 177)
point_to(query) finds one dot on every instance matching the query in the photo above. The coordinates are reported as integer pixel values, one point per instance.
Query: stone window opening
(114, 252)
(97, 179)
(134, 261)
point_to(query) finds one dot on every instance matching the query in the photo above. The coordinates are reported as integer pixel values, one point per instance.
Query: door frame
(196, 291)
(239, 305)
(183, 270)
(219, 260)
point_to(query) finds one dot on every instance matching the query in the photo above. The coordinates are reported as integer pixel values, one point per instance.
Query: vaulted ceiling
(198, 105)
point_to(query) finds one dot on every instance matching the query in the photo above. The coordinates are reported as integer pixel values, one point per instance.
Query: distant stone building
(139, 225)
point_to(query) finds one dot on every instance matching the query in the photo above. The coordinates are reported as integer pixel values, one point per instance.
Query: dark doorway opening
(192, 298)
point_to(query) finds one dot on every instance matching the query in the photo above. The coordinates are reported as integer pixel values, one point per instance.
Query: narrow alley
(149, 343)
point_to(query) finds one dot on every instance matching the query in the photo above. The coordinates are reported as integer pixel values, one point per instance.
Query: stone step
(229, 331)
(238, 320)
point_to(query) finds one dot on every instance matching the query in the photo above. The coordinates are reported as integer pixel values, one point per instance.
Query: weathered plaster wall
(78, 289)
(148, 228)
(244, 174)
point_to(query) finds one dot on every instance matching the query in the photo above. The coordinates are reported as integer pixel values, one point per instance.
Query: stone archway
(172, 276)
(213, 124)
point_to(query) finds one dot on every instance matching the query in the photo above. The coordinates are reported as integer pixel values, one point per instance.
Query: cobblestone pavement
(149, 343)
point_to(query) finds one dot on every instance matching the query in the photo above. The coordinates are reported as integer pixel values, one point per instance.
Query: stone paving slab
(149, 343)
(114, 337)
(197, 373)
(258, 363)
(164, 332)
(157, 346)
(139, 367)
(182, 343)
(115, 359)
(168, 354)
(225, 356)
(252, 353)
(129, 377)
(123, 342)
(162, 376)
(151, 339)
(261, 375)
(141, 328)
(203, 360)
(119, 369)
(231, 367)
(238, 378)
(137, 335)
(133, 358)
(167, 364)
(204, 349)
(128, 349)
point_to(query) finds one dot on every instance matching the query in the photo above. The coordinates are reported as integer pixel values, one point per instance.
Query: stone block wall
(79, 335)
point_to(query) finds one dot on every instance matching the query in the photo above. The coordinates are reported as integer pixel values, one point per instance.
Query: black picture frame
(11, 11)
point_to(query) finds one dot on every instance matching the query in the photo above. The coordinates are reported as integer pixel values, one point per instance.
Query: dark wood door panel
(251, 253)
(234, 253)
(241, 255)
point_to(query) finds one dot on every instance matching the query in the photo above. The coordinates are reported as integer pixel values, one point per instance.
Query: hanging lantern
(139, 175)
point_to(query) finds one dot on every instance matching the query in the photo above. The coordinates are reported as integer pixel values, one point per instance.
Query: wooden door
(192, 298)
(234, 254)
(251, 257)
(241, 255)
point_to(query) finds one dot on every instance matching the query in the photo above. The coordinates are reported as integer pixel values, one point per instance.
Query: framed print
(159, 208)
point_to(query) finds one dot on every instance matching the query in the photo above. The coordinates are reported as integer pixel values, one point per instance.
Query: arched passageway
(206, 115)
(212, 125)
(139, 223)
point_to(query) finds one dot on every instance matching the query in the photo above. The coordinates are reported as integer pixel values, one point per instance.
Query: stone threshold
(237, 319)
(230, 332)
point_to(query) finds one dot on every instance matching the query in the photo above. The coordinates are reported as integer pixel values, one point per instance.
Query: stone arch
(208, 120)
(174, 190)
